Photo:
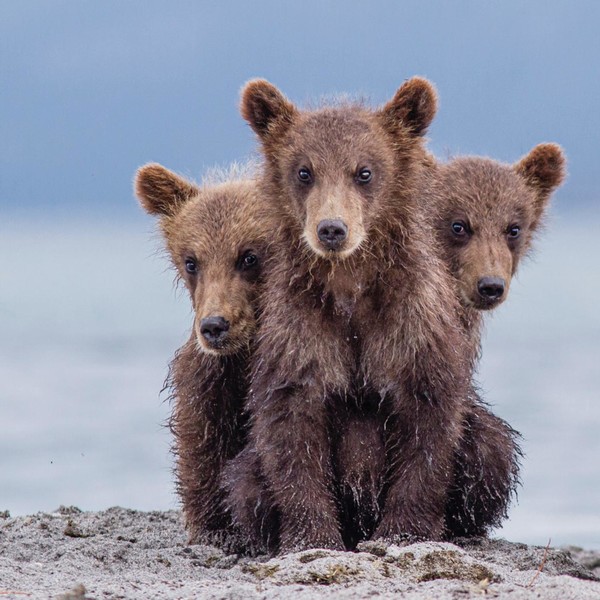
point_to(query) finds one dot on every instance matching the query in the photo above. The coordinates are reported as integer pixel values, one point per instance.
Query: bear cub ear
(265, 107)
(413, 107)
(544, 168)
(160, 191)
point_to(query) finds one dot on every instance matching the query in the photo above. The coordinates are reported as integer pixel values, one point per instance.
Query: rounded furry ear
(413, 107)
(544, 168)
(265, 107)
(160, 191)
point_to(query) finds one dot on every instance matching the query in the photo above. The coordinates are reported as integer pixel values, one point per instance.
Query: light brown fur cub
(216, 237)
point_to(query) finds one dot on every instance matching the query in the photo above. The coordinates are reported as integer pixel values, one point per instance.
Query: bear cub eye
(459, 228)
(364, 175)
(191, 266)
(248, 261)
(304, 175)
(513, 232)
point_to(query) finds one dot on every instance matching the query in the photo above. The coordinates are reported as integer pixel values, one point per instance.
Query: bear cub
(216, 236)
(358, 309)
(486, 215)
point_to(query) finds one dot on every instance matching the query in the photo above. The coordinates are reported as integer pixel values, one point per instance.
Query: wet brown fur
(377, 318)
(215, 225)
(490, 198)
(486, 473)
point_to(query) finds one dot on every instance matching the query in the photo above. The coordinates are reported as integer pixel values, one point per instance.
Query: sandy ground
(120, 553)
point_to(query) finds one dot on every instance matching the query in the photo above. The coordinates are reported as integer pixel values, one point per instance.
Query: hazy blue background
(88, 314)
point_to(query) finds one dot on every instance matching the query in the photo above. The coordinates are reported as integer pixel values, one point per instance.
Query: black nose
(491, 288)
(214, 329)
(332, 233)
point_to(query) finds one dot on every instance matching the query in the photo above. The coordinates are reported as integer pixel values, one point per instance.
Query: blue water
(89, 319)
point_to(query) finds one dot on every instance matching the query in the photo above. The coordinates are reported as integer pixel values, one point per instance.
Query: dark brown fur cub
(486, 215)
(217, 237)
(356, 305)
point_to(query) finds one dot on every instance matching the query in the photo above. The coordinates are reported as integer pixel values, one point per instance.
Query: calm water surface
(89, 319)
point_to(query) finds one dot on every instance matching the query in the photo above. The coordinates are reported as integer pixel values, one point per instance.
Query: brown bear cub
(486, 214)
(216, 236)
(357, 308)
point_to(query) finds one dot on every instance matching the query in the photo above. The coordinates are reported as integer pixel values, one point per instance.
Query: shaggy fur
(485, 474)
(373, 317)
(210, 232)
(490, 199)
(487, 213)
(486, 216)
(359, 462)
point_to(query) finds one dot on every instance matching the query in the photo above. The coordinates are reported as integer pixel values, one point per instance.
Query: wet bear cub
(216, 238)
(486, 215)
(357, 308)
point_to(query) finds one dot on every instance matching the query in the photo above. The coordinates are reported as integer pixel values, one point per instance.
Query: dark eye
(364, 176)
(191, 266)
(513, 232)
(248, 261)
(459, 228)
(304, 175)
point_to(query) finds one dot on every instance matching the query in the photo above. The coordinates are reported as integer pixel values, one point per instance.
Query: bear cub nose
(491, 288)
(214, 329)
(332, 234)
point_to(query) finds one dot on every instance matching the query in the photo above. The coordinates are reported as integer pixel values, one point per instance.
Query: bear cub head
(487, 214)
(335, 168)
(216, 237)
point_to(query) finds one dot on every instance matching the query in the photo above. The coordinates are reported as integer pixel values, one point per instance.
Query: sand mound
(120, 553)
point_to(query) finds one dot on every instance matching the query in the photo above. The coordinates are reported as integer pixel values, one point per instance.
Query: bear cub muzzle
(332, 233)
(214, 330)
